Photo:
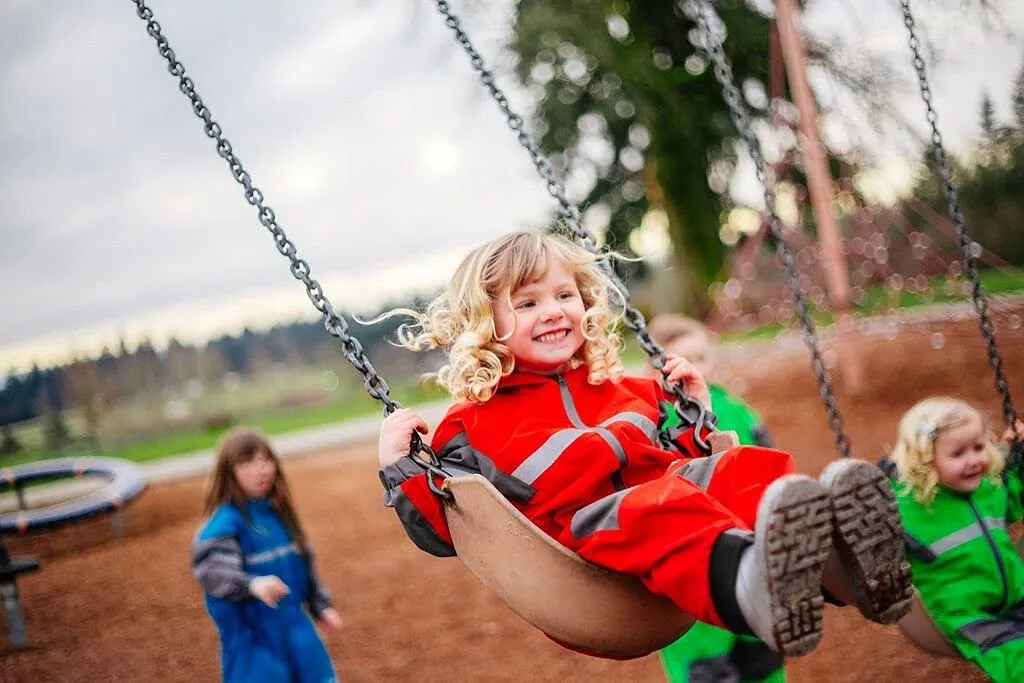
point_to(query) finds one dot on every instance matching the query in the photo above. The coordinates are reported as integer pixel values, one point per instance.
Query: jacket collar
(525, 378)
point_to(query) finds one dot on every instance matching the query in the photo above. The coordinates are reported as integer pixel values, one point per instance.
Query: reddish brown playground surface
(129, 610)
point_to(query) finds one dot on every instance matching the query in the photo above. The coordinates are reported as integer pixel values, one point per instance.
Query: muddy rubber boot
(778, 584)
(868, 542)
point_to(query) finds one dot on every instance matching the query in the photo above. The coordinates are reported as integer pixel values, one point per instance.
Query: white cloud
(326, 57)
(439, 158)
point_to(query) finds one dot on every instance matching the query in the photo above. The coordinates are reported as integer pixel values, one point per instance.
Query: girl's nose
(552, 311)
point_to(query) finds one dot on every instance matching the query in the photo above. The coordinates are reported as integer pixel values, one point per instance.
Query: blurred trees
(627, 106)
(990, 181)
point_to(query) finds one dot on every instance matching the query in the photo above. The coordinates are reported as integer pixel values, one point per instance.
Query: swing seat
(919, 628)
(578, 604)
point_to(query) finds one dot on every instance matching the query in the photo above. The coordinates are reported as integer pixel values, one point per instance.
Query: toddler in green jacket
(706, 652)
(957, 495)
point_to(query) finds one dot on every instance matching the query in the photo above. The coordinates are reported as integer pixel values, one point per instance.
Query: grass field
(272, 421)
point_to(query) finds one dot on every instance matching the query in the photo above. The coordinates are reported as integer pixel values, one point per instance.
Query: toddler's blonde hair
(914, 453)
(461, 320)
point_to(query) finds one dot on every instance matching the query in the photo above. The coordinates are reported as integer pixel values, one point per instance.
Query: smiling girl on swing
(543, 410)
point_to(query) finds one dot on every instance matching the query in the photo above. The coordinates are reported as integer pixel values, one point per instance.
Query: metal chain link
(703, 14)
(334, 323)
(967, 245)
(691, 411)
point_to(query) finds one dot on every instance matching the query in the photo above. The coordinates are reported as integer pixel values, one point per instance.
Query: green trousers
(708, 653)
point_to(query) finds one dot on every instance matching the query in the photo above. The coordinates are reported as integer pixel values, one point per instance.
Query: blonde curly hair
(461, 320)
(914, 453)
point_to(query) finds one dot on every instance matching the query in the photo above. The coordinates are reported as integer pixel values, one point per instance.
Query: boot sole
(793, 539)
(869, 539)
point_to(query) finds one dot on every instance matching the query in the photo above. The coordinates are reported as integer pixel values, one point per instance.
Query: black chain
(967, 245)
(334, 323)
(690, 410)
(703, 15)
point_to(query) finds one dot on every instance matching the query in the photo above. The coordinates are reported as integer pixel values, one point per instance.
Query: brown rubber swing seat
(579, 604)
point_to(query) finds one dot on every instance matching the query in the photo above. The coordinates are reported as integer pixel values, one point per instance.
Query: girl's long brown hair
(238, 446)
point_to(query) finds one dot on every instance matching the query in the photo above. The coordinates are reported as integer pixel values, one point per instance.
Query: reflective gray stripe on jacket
(929, 552)
(217, 564)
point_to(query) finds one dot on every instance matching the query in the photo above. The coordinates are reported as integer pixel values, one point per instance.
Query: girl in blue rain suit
(256, 571)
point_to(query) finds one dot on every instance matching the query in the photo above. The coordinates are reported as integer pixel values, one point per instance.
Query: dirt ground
(128, 609)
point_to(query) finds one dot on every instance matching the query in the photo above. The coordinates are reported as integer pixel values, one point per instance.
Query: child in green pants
(708, 653)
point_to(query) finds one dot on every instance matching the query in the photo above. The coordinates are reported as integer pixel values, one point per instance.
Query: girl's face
(256, 476)
(961, 456)
(542, 327)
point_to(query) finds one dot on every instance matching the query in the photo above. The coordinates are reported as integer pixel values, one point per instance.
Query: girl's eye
(565, 295)
(524, 304)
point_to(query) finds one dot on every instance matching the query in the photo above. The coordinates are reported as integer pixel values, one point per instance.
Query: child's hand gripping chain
(685, 373)
(396, 435)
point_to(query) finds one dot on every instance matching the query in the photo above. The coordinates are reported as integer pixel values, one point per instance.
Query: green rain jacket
(969, 574)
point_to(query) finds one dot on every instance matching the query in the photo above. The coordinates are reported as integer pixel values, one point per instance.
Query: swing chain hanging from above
(691, 412)
(918, 625)
(335, 324)
(709, 31)
(711, 43)
(969, 247)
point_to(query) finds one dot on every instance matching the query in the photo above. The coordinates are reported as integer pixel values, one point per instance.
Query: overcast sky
(360, 121)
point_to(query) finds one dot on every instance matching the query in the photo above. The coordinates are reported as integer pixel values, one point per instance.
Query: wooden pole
(819, 181)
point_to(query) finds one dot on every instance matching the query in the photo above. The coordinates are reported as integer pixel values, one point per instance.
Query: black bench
(10, 569)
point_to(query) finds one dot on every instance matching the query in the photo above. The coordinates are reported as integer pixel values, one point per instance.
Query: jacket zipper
(574, 418)
(995, 553)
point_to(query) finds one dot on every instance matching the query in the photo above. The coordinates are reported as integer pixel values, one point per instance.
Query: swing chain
(335, 324)
(554, 185)
(687, 407)
(969, 248)
(432, 465)
(701, 12)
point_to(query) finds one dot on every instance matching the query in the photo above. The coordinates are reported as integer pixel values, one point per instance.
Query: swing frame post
(819, 181)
